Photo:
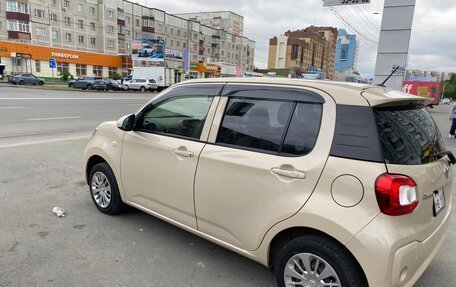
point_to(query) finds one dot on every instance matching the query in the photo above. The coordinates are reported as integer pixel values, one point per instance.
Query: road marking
(12, 107)
(44, 141)
(59, 118)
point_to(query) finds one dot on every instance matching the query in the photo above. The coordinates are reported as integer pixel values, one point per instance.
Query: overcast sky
(432, 47)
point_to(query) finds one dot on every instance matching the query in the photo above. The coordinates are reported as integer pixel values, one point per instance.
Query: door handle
(184, 153)
(289, 173)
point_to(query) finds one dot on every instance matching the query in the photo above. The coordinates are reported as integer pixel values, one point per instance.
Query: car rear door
(160, 156)
(264, 157)
(410, 138)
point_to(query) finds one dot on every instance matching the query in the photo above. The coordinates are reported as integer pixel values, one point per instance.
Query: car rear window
(408, 135)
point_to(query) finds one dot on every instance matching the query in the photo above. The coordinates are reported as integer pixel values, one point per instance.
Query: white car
(445, 101)
(140, 85)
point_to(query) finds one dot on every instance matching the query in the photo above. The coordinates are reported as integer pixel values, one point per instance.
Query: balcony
(148, 29)
(120, 22)
(17, 16)
(201, 52)
(19, 35)
(120, 36)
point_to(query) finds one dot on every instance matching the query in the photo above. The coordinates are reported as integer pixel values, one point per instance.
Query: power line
(357, 22)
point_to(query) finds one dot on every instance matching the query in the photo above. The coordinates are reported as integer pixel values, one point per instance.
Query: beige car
(330, 184)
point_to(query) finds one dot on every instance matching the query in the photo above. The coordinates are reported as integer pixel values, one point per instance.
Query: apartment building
(94, 37)
(346, 52)
(222, 20)
(313, 47)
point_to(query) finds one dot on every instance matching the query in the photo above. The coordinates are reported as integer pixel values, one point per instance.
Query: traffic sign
(52, 64)
(344, 2)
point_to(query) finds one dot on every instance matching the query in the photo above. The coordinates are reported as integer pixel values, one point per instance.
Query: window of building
(146, 22)
(184, 45)
(344, 51)
(110, 29)
(137, 22)
(171, 31)
(137, 35)
(110, 43)
(53, 17)
(128, 19)
(55, 35)
(37, 66)
(40, 31)
(62, 67)
(52, 2)
(39, 13)
(81, 70)
(14, 6)
(178, 32)
(120, 29)
(128, 46)
(98, 71)
(92, 10)
(92, 26)
(20, 26)
(66, 3)
(68, 37)
(171, 42)
(81, 24)
(120, 15)
(80, 8)
(67, 20)
(93, 41)
(111, 71)
(81, 39)
(294, 52)
(109, 13)
(178, 44)
(195, 36)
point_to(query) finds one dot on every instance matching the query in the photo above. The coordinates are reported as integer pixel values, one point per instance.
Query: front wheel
(21, 82)
(71, 86)
(89, 87)
(103, 189)
(314, 260)
(41, 83)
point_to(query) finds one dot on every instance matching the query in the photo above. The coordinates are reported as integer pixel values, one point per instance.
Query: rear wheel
(89, 87)
(126, 88)
(71, 86)
(315, 260)
(41, 83)
(21, 82)
(142, 89)
(103, 189)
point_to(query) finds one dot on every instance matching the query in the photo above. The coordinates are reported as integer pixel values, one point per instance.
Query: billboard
(148, 50)
(423, 89)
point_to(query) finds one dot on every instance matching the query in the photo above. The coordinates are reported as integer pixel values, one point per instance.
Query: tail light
(396, 194)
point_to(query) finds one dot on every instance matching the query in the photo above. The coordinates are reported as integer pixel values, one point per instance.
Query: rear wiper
(444, 153)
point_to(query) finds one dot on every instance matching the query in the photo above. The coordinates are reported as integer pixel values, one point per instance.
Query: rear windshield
(408, 135)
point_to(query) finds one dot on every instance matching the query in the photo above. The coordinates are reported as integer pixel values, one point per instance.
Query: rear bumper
(390, 259)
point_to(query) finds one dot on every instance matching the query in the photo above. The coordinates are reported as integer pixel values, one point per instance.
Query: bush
(115, 76)
(65, 76)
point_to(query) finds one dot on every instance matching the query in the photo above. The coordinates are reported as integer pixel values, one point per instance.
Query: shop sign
(173, 54)
(23, 55)
(63, 55)
(3, 49)
(205, 68)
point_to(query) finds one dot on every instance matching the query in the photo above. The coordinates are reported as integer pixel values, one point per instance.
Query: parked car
(113, 85)
(140, 85)
(85, 83)
(100, 85)
(445, 101)
(331, 184)
(26, 78)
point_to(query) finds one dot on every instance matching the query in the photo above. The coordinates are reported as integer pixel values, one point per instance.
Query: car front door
(266, 151)
(160, 156)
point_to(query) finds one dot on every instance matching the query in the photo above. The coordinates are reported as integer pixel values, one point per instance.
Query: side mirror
(126, 123)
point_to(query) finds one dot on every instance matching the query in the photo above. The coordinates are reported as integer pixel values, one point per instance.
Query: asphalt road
(42, 137)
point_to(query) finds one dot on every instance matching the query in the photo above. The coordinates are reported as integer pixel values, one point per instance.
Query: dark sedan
(107, 84)
(25, 78)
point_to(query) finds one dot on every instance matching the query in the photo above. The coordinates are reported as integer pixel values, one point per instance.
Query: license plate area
(439, 201)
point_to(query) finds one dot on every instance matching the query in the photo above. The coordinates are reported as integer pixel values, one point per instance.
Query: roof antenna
(386, 80)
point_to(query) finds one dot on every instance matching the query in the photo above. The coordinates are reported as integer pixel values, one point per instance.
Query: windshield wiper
(444, 153)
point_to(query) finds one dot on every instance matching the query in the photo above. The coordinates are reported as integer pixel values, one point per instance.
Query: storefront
(21, 58)
(204, 70)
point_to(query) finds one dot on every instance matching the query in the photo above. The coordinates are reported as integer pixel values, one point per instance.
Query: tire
(89, 87)
(41, 83)
(71, 86)
(336, 260)
(126, 88)
(21, 82)
(102, 176)
(142, 89)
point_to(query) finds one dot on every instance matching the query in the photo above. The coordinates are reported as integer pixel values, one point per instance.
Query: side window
(257, 124)
(183, 112)
(303, 130)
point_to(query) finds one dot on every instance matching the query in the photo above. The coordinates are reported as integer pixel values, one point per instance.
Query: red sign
(423, 89)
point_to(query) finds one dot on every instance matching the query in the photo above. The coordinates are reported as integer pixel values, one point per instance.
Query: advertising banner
(423, 89)
(148, 50)
(205, 68)
(169, 53)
